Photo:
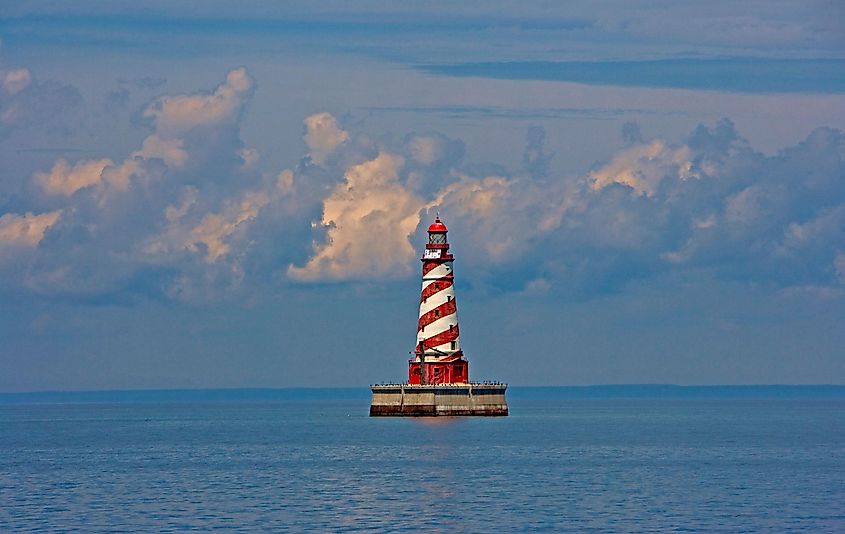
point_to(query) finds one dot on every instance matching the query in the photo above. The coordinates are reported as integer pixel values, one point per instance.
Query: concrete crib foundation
(439, 400)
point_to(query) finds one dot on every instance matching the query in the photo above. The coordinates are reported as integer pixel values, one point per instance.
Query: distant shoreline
(622, 391)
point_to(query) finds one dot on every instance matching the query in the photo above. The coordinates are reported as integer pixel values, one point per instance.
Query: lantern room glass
(437, 239)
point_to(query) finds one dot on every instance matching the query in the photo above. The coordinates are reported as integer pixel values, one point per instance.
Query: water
(567, 459)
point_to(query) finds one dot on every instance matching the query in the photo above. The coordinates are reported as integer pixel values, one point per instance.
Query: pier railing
(452, 384)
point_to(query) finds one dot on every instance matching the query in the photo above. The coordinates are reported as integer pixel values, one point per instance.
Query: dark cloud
(631, 133)
(148, 82)
(535, 159)
(739, 74)
(26, 102)
(117, 99)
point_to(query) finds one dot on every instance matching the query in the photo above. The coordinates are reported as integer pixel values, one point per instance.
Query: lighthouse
(439, 359)
(438, 374)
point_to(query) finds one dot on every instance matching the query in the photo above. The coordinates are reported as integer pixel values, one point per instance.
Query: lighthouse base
(416, 400)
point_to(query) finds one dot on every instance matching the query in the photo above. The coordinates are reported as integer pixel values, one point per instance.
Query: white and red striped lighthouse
(438, 349)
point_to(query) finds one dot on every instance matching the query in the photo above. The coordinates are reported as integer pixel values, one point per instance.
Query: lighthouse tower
(438, 375)
(438, 358)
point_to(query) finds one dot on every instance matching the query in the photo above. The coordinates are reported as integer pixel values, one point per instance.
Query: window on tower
(454, 345)
(437, 239)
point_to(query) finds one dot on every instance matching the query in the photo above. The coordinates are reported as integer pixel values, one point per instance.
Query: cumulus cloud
(66, 179)
(284, 181)
(193, 211)
(25, 230)
(17, 80)
(483, 197)
(643, 167)
(214, 229)
(177, 114)
(535, 159)
(368, 220)
(430, 149)
(27, 102)
(121, 222)
(173, 117)
(171, 151)
(709, 201)
(323, 136)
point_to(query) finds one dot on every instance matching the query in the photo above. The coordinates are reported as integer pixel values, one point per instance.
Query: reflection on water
(554, 464)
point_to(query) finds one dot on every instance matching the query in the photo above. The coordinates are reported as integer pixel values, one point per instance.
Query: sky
(208, 194)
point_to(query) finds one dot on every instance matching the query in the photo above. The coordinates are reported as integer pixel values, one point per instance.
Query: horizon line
(596, 391)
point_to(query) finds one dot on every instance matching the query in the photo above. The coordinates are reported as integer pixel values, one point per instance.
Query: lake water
(623, 459)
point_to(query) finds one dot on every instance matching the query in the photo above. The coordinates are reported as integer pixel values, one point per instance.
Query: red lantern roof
(437, 227)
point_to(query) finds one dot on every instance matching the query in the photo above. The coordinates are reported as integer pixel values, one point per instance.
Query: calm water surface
(560, 462)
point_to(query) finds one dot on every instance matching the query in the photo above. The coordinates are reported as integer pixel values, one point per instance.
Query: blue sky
(205, 194)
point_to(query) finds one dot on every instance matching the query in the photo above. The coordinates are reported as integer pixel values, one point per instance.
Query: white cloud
(483, 198)
(212, 236)
(643, 167)
(369, 219)
(215, 228)
(25, 230)
(171, 151)
(64, 179)
(17, 80)
(323, 136)
(173, 115)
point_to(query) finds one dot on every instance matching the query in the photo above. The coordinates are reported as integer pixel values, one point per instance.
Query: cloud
(173, 115)
(481, 197)
(122, 231)
(284, 181)
(735, 74)
(368, 220)
(214, 229)
(65, 179)
(25, 230)
(534, 159)
(249, 156)
(427, 149)
(193, 212)
(631, 133)
(27, 102)
(323, 136)
(171, 151)
(16, 81)
(117, 99)
(642, 167)
(173, 118)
